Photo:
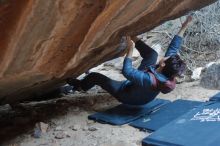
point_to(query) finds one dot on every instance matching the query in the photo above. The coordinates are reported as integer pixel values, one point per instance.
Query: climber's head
(172, 66)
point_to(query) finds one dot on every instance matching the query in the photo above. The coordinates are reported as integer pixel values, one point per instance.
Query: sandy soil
(74, 129)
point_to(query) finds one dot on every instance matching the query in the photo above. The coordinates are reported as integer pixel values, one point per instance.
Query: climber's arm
(176, 42)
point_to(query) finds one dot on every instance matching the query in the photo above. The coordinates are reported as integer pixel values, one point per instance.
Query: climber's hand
(187, 21)
(129, 47)
(135, 39)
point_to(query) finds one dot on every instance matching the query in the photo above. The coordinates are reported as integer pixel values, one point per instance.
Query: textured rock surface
(211, 77)
(45, 41)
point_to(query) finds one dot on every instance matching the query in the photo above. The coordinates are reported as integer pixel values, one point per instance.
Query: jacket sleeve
(174, 46)
(136, 76)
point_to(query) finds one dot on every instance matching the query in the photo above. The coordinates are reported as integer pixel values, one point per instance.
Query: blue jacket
(138, 86)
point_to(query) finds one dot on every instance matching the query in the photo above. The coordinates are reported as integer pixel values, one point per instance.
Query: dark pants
(112, 86)
(147, 53)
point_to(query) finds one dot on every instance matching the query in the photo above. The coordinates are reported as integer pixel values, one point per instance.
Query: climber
(146, 82)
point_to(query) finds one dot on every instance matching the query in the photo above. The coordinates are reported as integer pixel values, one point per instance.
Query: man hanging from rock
(146, 82)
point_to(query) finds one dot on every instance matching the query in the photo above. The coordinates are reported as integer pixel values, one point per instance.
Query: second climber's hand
(129, 47)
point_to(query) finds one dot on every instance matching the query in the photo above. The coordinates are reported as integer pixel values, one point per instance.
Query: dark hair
(174, 66)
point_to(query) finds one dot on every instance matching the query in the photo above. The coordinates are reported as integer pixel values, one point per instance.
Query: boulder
(210, 77)
(45, 41)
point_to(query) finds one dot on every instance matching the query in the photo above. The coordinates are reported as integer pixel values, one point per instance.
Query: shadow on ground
(23, 117)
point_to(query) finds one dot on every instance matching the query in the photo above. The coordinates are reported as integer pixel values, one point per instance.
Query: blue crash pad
(198, 127)
(164, 115)
(123, 114)
(216, 97)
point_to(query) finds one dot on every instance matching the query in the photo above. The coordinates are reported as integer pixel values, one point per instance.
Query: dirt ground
(70, 126)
